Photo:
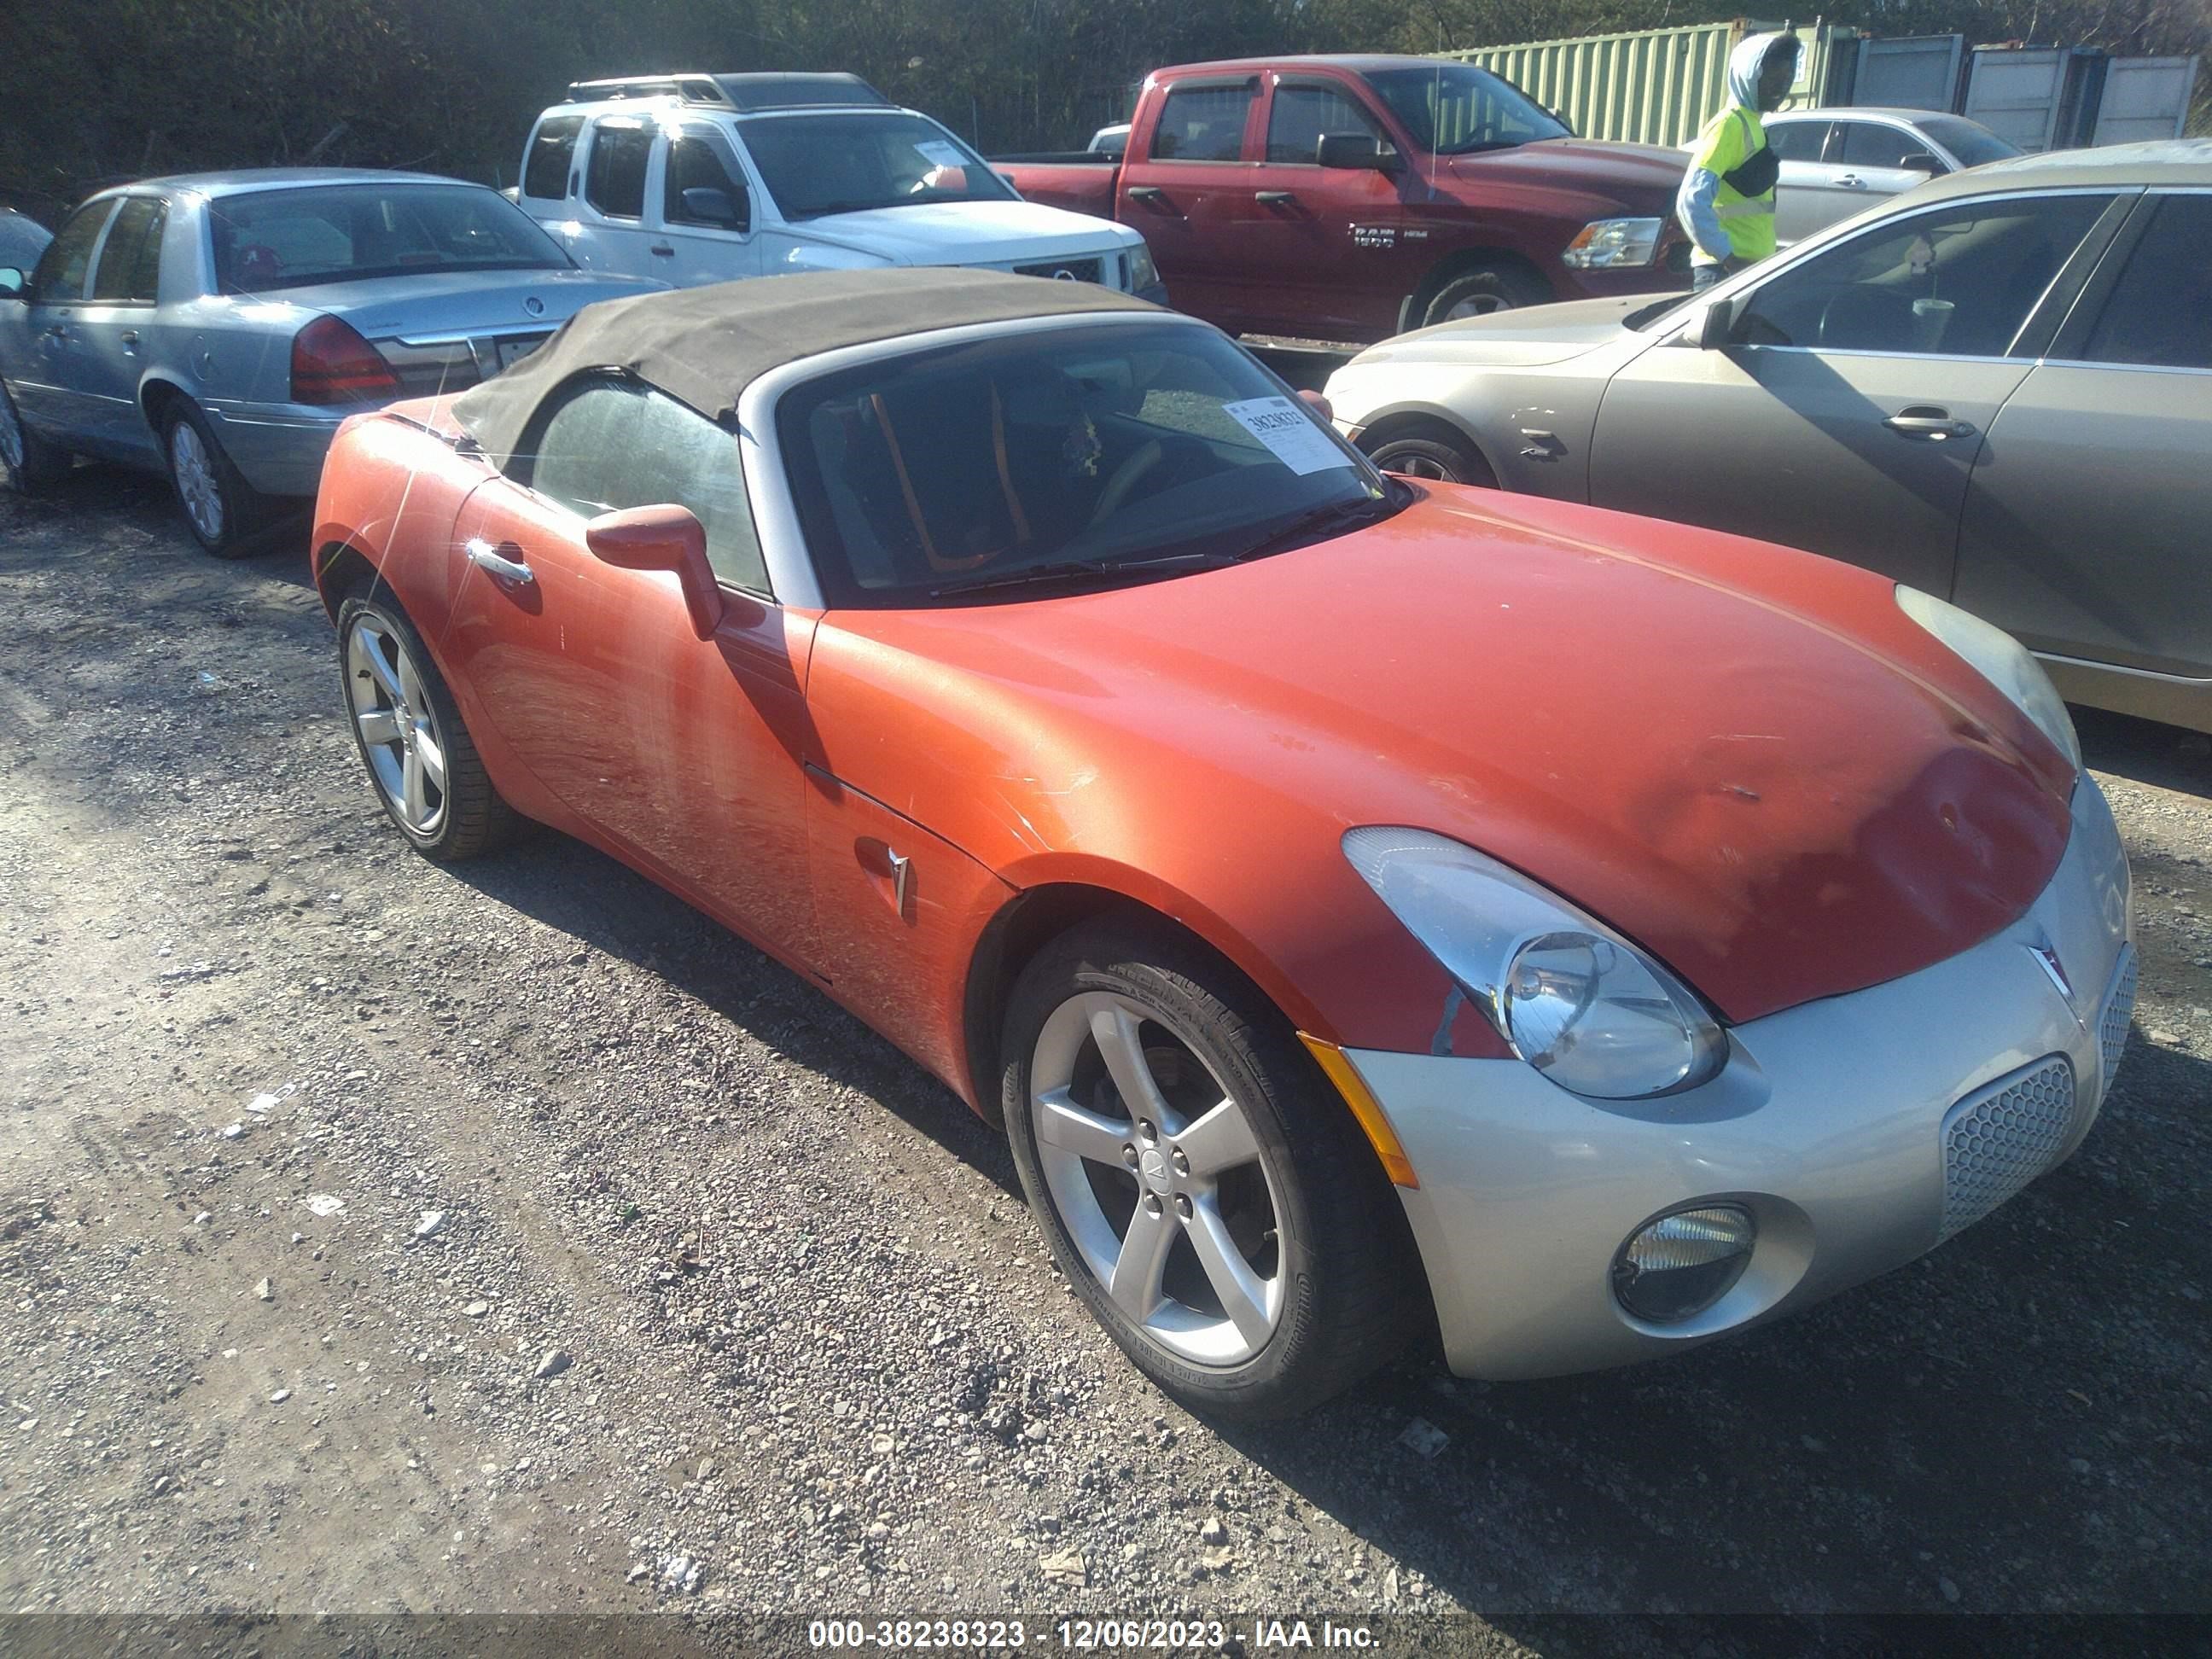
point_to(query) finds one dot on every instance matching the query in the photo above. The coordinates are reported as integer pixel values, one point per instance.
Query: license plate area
(513, 348)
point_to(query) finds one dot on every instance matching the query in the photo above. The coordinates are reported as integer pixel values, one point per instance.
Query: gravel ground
(380, 1237)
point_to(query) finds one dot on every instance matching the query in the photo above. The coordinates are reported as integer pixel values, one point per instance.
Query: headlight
(1606, 244)
(2001, 660)
(1143, 273)
(1572, 998)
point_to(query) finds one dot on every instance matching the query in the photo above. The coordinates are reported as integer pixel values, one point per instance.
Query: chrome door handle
(901, 868)
(129, 339)
(1144, 193)
(1851, 181)
(494, 564)
(1934, 424)
(1274, 197)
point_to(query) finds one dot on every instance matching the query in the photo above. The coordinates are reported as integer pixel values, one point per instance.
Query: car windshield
(1970, 140)
(1092, 453)
(851, 161)
(1455, 109)
(280, 239)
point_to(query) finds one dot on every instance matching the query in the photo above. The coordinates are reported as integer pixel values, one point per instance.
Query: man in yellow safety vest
(1727, 200)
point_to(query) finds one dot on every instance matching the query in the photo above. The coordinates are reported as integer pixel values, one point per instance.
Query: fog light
(1683, 1263)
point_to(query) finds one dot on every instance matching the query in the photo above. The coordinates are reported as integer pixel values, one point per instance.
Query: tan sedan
(1997, 387)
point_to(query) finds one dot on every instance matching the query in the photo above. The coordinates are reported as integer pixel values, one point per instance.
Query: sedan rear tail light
(332, 364)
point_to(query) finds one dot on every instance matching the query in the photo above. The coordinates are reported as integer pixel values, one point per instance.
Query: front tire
(420, 757)
(32, 464)
(1208, 1198)
(1433, 454)
(1482, 293)
(220, 508)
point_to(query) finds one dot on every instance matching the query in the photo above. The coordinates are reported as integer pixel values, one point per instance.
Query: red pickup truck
(1349, 199)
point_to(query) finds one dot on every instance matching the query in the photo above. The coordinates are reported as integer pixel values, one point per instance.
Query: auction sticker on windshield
(1289, 433)
(943, 155)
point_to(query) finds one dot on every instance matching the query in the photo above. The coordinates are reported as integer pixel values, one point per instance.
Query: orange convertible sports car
(1362, 901)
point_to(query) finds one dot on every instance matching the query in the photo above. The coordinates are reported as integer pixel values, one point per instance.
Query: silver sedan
(1997, 389)
(218, 327)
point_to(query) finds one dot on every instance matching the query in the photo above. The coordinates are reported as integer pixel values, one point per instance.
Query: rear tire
(420, 759)
(1265, 1264)
(220, 508)
(1432, 454)
(1481, 293)
(32, 463)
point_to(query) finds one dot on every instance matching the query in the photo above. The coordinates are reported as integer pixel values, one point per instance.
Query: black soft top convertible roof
(704, 346)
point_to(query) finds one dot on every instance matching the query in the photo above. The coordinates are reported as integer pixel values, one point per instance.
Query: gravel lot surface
(382, 1238)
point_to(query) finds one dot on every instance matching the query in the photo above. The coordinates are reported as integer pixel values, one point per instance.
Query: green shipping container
(1654, 86)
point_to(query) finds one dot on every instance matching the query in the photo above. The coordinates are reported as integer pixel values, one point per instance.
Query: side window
(2160, 311)
(130, 259)
(1956, 282)
(545, 171)
(614, 178)
(697, 162)
(1871, 144)
(1305, 113)
(1797, 141)
(608, 445)
(1204, 124)
(60, 274)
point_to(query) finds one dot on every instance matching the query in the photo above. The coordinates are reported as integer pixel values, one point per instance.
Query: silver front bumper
(1858, 1130)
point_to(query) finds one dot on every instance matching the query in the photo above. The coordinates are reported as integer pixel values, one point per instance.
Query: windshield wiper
(1066, 570)
(1338, 515)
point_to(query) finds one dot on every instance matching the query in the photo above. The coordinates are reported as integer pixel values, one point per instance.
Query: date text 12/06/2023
(1089, 1635)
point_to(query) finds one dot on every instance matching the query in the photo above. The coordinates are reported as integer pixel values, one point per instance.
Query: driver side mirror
(1712, 325)
(13, 282)
(714, 207)
(1354, 150)
(1922, 162)
(663, 537)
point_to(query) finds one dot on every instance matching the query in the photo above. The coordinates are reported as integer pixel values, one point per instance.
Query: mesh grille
(1997, 1142)
(2119, 1008)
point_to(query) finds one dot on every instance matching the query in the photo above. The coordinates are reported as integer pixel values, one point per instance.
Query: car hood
(1745, 758)
(1527, 336)
(971, 233)
(439, 304)
(1629, 172)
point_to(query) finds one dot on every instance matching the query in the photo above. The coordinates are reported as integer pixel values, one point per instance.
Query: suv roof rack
(754, 91)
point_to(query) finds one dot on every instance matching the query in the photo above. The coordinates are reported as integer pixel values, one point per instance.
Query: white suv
(706, 178)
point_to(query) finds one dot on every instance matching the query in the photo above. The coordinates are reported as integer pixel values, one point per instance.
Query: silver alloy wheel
(1478, 305)
(398, 728)
(11, 434)
(1155, 1171)
(1414, 466)
(193, 469)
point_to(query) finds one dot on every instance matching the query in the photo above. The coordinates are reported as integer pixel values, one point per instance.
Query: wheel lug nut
(1152, 1204)
(1182, 1162)
(1148, 1130)
(1183, 1204)
(1129, 1154)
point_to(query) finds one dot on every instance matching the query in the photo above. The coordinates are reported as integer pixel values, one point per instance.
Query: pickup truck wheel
(29, 462)
(1433, 454)
(1479, 293)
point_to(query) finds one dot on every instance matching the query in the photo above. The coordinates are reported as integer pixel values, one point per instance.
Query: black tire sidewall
(447, 841)
(43, 463)
(1517, 291)
(1213, 1009)
(239, 501)
(1465, 467)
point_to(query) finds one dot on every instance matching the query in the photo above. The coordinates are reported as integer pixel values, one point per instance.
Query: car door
(684, 754)
(47, 378)
(2085, 533)
(617, 173)
(1191, 192)
(1322, 251)
(1845, 415)
(115, 324)
(1800, 191)
(705, 214)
